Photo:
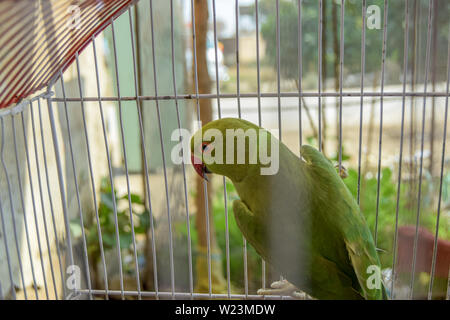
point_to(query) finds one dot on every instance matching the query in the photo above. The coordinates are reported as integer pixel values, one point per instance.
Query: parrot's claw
(283, 288)
(343, 172)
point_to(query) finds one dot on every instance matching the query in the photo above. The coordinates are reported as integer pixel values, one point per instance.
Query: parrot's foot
(343, 172)
(283, 288)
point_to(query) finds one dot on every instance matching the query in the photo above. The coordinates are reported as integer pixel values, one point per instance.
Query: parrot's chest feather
(282, 203)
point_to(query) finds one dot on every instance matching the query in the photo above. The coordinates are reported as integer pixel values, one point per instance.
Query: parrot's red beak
(200, 167)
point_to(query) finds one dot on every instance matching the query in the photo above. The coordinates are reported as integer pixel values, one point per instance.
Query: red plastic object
(425, 245)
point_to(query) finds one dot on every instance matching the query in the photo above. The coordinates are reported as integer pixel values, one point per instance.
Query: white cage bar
(47, 151)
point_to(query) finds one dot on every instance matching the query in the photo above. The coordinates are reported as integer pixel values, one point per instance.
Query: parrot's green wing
(352, 226)
(328, 278)
(253, 231)
(367, 268)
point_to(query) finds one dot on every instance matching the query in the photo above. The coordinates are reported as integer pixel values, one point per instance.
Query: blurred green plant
(407, 214)
(288, 24)
(107, 221)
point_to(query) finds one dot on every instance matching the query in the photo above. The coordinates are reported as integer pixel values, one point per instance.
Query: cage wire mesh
(92, 205)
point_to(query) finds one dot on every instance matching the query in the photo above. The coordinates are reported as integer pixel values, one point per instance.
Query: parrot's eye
(205, 147)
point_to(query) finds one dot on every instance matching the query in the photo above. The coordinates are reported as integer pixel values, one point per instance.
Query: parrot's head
(230, 147)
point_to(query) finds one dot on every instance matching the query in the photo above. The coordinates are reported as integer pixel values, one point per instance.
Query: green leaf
(136, 199)
(133, 197)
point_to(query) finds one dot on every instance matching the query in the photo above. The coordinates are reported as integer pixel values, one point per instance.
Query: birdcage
(93, 94)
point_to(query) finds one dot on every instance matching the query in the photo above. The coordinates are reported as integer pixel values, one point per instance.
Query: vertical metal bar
(8, 258)
(238, 88)
(50, 199)
(41, 195)
(36, 224)
(319, 76)
(208, 243)
(278, 67)
(412, 118)
(216, 58)
(448, 286)
(133, 236)
(195, 60)
(225, 197)
(363, 70)
(144, 152)
(244, 241)
(300, 72)
(405, 72)
(169, 219)
(227, 236)
(5, 235)
(380, 143)
(278, 44)
(444, 137)
(341, 79)
(245, 267)
(263, 263)
(258, 63)
(78, 195)
(19, 178)
(263, 274)
(427, 67)
(60, 178)
(13, 213)
(111, 178)
(186, 201)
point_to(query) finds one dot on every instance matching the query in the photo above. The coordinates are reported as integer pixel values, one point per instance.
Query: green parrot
(300, 218)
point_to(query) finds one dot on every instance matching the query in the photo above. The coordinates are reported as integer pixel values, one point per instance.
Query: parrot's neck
(258, 190)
